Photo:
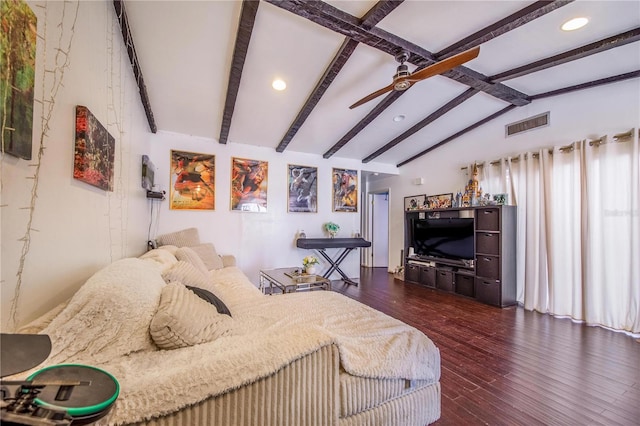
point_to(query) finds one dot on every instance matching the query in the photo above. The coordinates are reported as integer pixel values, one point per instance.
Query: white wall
(258, 240)
(76, 228)
(580, 115)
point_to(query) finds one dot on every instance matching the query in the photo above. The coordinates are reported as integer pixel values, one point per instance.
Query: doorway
(379, 228)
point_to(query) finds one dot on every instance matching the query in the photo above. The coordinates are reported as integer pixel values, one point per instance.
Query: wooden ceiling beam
(243, 37)
(371, 18)
(588, 85)
(121, 13)
(343, 23)
(372, 115)
(503, 26)
(467, 94)
(511, 22)
(341, 58)
(457, 135)
(618, 40)
(571, 55)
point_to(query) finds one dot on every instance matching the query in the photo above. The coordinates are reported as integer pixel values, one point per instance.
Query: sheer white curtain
(578, 248)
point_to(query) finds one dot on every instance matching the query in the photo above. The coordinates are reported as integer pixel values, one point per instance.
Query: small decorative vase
(311, 270)
(332, 234)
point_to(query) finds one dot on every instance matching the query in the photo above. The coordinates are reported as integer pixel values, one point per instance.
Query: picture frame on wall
(18, 80)
(249, 184)
(193, 182)
(440, 201)
(94, 152)
(302, 191)
(414, 202)
(344, 190)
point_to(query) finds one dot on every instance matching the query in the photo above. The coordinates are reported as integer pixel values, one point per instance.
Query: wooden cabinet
(491, 276)
(428, 276)
(495, 267)
(412, 272)
(444, 279)
(464, 284)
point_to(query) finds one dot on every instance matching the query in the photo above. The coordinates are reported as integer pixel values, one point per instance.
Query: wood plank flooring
(511, 366)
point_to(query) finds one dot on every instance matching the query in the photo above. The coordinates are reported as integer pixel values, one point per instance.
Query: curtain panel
(578, 249)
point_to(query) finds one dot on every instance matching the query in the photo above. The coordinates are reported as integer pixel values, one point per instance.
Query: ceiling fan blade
(372, 96)
(445, 65)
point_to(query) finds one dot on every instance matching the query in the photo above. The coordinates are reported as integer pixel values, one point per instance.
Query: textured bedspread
(101, 329)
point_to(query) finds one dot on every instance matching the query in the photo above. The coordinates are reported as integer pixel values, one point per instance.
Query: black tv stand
(465, 264)
(491, 276)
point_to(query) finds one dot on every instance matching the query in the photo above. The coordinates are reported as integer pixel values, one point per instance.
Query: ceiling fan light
(401, 85)
(278, 84)
(575, 23)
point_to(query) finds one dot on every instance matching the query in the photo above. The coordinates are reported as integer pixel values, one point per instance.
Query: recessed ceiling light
(399, 118)
(279, 84)
(574, 24)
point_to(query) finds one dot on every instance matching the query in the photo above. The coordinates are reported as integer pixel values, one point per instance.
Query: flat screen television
(448, 238)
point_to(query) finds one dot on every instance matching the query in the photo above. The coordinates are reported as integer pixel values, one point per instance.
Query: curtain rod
(619, 137)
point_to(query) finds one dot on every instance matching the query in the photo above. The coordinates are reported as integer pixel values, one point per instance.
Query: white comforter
(106, 325)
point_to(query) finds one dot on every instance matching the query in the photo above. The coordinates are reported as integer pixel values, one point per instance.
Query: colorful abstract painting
(193, 181)
(94, 151)
(17, 77)
(249, 185)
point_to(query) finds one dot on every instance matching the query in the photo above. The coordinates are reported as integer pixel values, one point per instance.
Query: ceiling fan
(403, 79)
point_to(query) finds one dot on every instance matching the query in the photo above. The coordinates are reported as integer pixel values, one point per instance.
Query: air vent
(527, 124)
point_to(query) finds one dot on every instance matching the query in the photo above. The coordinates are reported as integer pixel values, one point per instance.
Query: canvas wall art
(249, 185)
(17, 77)
(415, 202)
(345, 190)
(440, 201)
(303, 189)
(192, 181)
(94, 154)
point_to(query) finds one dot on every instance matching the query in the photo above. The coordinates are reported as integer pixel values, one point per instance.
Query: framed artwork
(345, 190)
(249, 185)
(193, 182)
(17, 78)
(302, 194)
(414, 202)
(501, 199)
(94, 152)
(440, 201)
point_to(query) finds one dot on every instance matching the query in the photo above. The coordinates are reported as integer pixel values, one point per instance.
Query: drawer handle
(487, 259)
(488, 235)
(488, 212)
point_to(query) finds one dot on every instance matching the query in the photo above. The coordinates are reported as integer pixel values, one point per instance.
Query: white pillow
(207, 252)
(185, 237)
(187, 254)
(184, 319)
(187, 274)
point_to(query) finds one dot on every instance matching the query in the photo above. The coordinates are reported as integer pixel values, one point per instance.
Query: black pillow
(211, 298)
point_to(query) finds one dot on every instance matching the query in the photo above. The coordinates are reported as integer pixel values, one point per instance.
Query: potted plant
(332, 228)
(309, 263)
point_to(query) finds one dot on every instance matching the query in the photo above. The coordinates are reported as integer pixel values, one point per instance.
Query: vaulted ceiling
(205, 68)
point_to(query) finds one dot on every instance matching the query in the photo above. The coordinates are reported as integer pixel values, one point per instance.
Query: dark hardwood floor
(511, 366)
